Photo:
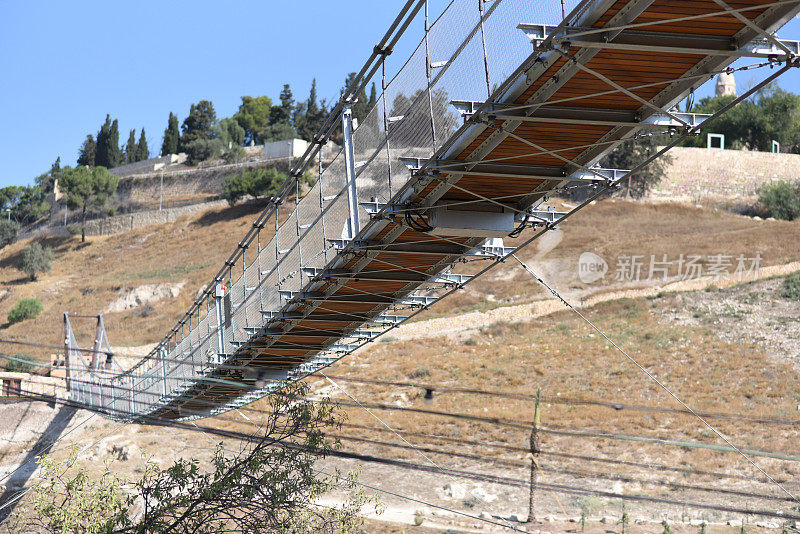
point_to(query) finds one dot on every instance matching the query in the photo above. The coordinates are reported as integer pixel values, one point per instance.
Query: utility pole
(535, 449)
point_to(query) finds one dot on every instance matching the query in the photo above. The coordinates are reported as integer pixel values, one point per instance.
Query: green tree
(46, 180)
(312, 116)
(108, 153)
(255, 183)
(8, 231)
(142, 152)
(202, 150)
(631, 153)
(36, 259)
(373, 96)
(254, 115)
(230, 132)
(114, 151)
(278, 131)
(130, 148)
(361, 106)
(280, 125)
(10, 196)
(285, 111)
(88, 188)
(24, 309)
(27, 203)
(200, 123)
(770, 114)
(172, 136)
(269, 485)
(86, 155)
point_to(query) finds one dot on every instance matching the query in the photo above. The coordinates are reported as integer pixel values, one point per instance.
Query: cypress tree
(142, 152)
(312, 98)
(373, 96)
(87, 151)
(361, 107)
(200, 123)
(114, 151)
(314, 115)
(171, 136)
(130, 148)
(287, 100)
(103, 149)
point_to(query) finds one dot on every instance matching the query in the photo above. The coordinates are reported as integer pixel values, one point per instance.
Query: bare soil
(731, 351)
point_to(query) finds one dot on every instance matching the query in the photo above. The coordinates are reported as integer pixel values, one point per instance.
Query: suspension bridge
(501, 104)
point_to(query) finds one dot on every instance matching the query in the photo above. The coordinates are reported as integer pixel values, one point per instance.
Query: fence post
(535, 449)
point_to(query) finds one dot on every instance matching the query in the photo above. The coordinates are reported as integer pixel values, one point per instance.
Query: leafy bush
(252, 182)
(234, 154)
(25, 309)
(259, 488)
(202, 150)
(780, 200)
(36, 259)
(17, 366)
(791, 286)
(8, 232)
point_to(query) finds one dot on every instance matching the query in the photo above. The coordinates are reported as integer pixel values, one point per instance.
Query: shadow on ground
(250, 207)
(17, 480)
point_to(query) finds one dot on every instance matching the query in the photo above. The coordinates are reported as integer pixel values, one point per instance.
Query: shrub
(252, 182)
(36, 259)
(202, 150)
(8, 232)
(791, 286)
(17, 366)
(780, 200)
(234, 154)
(25, 309)
(423, 371)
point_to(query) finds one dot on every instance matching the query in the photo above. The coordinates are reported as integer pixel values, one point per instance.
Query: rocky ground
(745, 313)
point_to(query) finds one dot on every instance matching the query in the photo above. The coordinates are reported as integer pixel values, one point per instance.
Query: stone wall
(147, 188)
(123, 223)
(149, 165)
(700, 175)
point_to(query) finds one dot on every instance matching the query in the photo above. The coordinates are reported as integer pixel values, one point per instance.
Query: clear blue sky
(65, 65)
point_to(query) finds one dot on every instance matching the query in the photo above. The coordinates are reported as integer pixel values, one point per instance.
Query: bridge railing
(465, 54)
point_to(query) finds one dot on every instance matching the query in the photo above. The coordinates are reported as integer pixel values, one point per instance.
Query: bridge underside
(613, 69)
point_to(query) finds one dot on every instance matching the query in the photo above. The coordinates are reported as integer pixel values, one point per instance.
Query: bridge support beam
(219, 294)
(352, 228)
(660, 42)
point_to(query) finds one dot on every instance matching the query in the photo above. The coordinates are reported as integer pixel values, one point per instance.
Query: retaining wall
(147, 188)
(123, 223)
(699, 174)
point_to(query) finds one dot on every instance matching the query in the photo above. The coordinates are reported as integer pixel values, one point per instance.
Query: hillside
(87, 277)
(729, 351)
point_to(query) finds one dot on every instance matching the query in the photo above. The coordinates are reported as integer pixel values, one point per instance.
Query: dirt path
(464, 324)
